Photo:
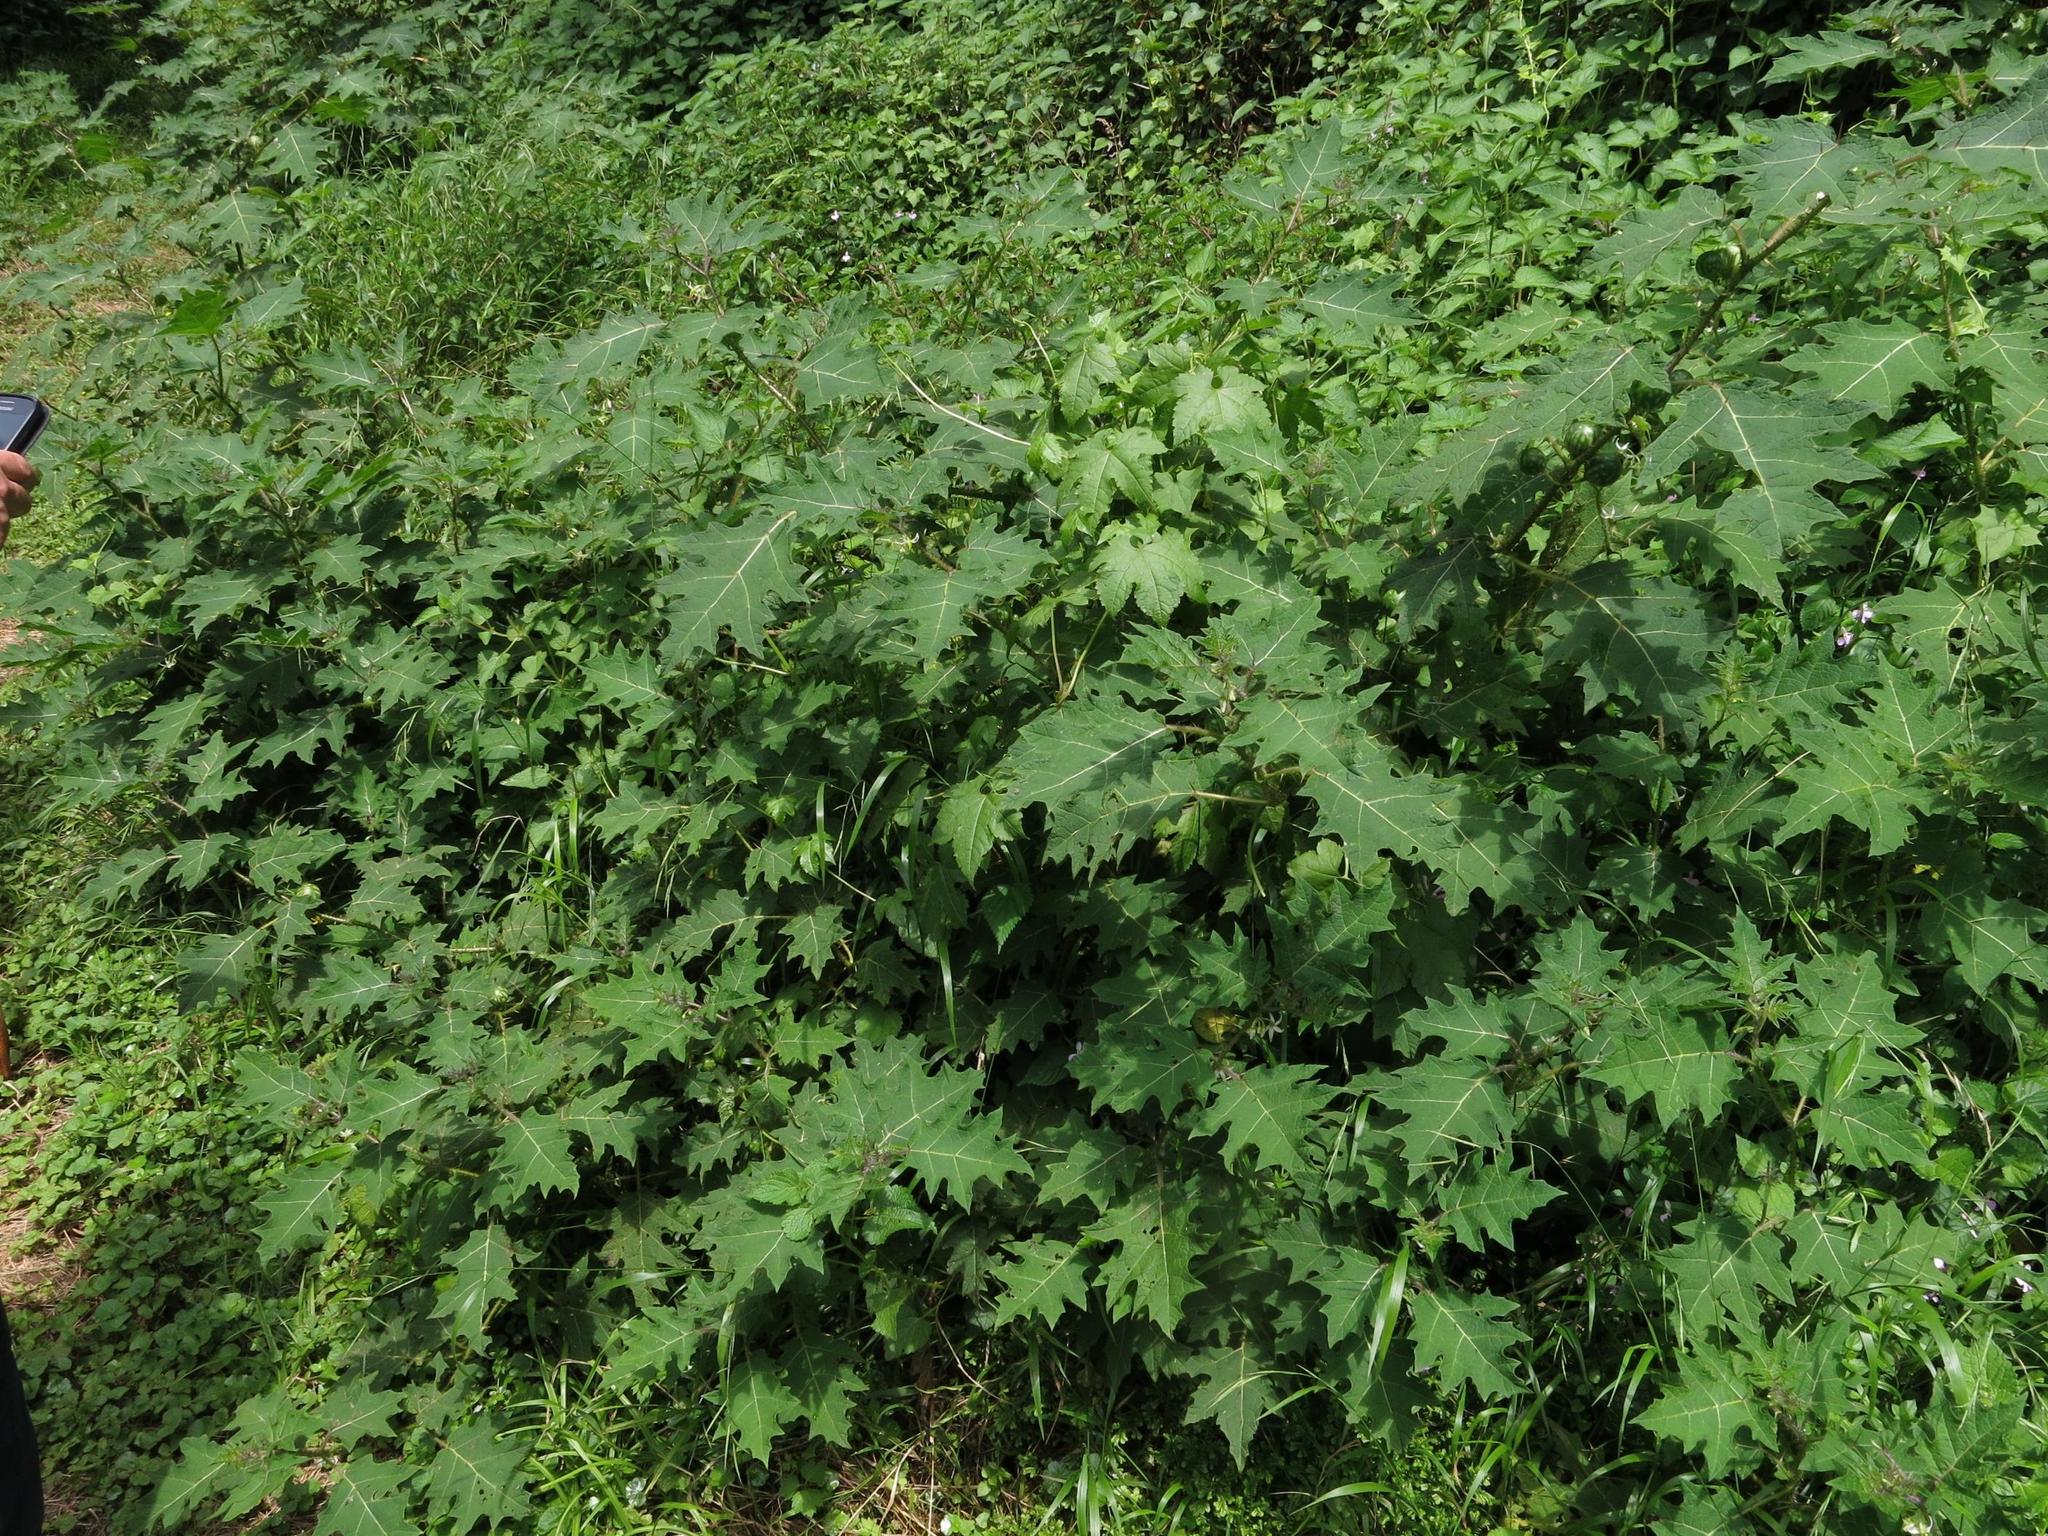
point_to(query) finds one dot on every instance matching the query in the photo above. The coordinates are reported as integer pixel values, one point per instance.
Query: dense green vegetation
(1255, 768)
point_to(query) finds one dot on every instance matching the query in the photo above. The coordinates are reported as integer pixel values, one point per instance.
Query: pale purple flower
(1844, 640)
(2023, 1288)
(1863, 614)
(1942, 1265)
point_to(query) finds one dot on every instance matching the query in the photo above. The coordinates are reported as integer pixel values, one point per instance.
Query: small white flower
(636, 1492)
(2023, 1288)
(845, 258)
(835, 215)
(1942, 1265)
(591, 1502)
(1863, 614)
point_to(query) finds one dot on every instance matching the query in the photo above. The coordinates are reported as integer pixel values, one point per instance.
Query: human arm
(17, 489)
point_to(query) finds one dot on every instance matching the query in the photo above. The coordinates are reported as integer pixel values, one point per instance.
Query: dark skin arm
(17, 489)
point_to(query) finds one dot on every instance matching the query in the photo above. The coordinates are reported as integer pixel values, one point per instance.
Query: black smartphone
(22, 419)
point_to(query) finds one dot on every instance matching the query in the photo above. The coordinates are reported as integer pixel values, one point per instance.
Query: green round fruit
(1719, 263)
(1584, 437)
(1532, 459)
(1606, 466)
(1648, 397)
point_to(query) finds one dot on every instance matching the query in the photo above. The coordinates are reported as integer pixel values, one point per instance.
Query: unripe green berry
(1720, 264)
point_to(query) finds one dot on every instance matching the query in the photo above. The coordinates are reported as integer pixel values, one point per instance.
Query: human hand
(18, 480)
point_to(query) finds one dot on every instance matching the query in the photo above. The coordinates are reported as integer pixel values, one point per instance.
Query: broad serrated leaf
(533, 1154)
(736, 580)
(1209, 399)
(300, 151)
(1471, 1028)
(839, 368)
(2015, 137)
(1873, 1129)
(1137, 1061)
(611, 347)
(821, 1376)
(1153, 568)
(1375, 810)
(1041, 1279)
(1779, 439)
(1273, 1111)
(271, 306)
(1843, 774)
(934, 604)
(240, 221)
(1793, 160)
(1641, 636)
(813, 933)
(1721, 1266)
(345, 369)
(1238, 1389)
(368, 1498)
(1450, 1107)
(1082, 750)
(970, 823)
(1825, 52)
(708, 228)
(1465, 1338)
(1685, 1064)
(1593, 384)
(1352, 310)
(758, 1405)
(1485, 1199)
(1661, 239)
(751, 1242)
(1875, 364)
(306, 1206)
(1706, 1408)
(476, 1475)
(1151, 1271)
(222, 963)
(1111, 463)
(480, 1274)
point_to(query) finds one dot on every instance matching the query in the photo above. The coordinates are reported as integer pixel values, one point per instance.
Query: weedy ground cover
(1023, 725)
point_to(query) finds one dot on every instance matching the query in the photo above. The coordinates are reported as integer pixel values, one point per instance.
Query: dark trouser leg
(21, 1484)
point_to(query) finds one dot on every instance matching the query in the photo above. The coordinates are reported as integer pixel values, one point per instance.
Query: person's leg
(21, 1482)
